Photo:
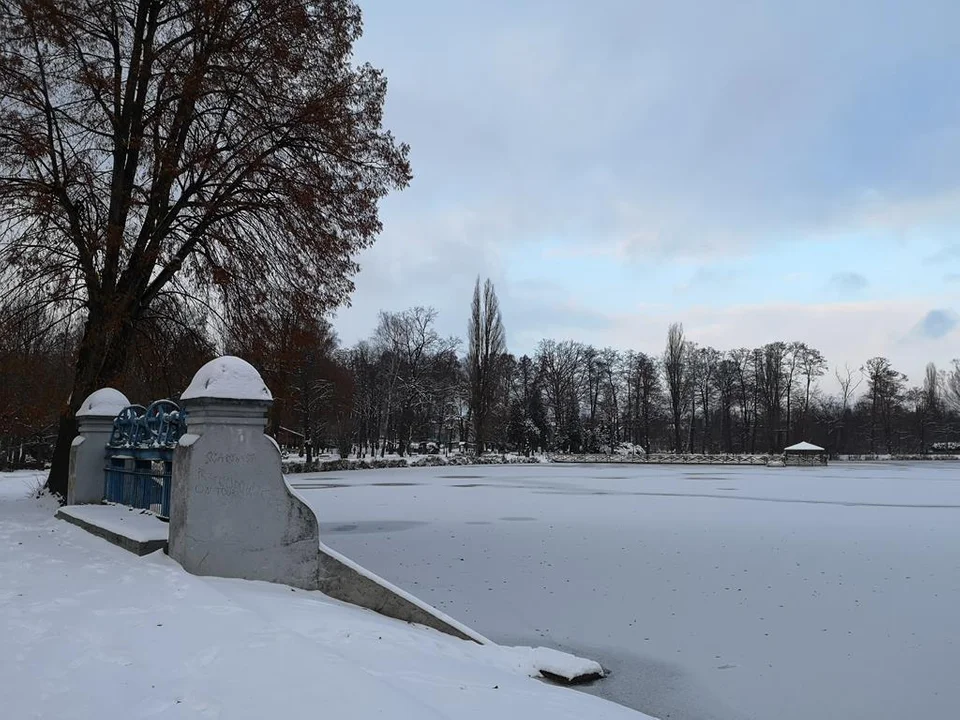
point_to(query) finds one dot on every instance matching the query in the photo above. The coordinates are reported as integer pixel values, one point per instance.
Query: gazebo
(804, 453)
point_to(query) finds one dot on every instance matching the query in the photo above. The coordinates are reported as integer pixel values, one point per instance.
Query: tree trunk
(705, 438)
(60, 463)
(789, 416)
(107, 337)
(728, 439)
(646, 430)
(479, 427)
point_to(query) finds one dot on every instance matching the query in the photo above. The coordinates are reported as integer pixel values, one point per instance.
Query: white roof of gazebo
(805, 446)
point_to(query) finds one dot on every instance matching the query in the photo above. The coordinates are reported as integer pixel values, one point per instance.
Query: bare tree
(676, 371)
(885, 387)
(361, 359)
(527, 419)
(742, 360)
(793, 362)
(561, 370)
(951, 386)
(772, 385)
(707, 360)
(812, 365)
(848, 383)
(485, 359)
(725, 387)
(931, 388)
(643, 397)
(227, 148)
(692, 363)
(610, 360)
(649, 395)
(35, 357)
(602, 403)
(294, 351)
(410, 350)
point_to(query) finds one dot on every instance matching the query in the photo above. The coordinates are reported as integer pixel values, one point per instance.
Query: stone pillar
(88, 451)
(231, 512)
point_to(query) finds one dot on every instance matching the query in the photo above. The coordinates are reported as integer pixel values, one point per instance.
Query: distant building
(804, 453)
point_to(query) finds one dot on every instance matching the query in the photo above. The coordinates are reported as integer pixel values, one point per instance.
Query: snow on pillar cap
(227, 378)
(105, 402)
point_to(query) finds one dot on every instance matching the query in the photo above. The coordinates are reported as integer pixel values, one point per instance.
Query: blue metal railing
(139, 456)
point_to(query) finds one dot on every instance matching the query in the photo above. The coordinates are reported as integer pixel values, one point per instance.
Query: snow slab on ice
(105, 402)
(541, 660)
(91, 631)
(227, 378)
(138, 525)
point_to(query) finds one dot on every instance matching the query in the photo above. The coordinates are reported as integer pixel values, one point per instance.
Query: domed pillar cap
(103, 403)
(227, 378)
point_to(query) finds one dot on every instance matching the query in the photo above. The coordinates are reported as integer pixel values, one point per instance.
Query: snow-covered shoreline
(666, 458)
(928, 457)
(291, 467)
(91, 630)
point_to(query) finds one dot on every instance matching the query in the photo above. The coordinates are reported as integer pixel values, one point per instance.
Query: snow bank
(227, 378)
(94, 631)
(105, 402)
(298, 466)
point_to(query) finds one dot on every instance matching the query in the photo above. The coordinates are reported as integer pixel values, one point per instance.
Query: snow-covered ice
(229, 378)
(709, 592)
(88, 630)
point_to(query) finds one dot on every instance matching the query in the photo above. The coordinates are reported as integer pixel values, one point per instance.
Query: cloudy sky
(755, 170)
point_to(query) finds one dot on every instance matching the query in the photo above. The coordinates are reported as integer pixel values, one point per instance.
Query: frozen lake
(709, 592)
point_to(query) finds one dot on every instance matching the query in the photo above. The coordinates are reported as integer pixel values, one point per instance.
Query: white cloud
(846, 283)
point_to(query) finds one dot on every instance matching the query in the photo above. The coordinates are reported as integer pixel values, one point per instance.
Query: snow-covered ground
(88, 630)
(710, 592)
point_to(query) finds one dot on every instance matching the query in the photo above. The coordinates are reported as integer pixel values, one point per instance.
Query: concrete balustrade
(234, 515)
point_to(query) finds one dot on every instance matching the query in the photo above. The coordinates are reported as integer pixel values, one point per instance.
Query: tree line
(407, 385)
